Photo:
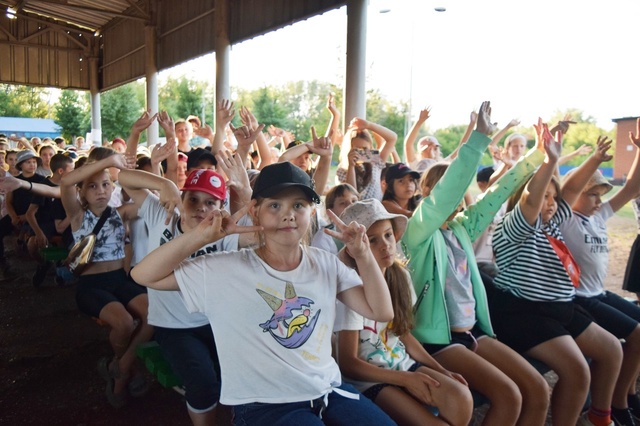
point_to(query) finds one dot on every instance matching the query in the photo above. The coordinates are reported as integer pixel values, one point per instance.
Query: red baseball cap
(208, 181)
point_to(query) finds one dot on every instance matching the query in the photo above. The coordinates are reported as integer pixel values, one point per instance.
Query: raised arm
(575, 182)
(582, 150)
(333, 129)
(169, 127)
(138, 183)
(388, 135)
(534, 193)
(371, 300)
(224, 114)
(237, 179)
(323, 147)
(631, 187)
(140, 125)
(264, 152)
(409, 140)
(156, 269)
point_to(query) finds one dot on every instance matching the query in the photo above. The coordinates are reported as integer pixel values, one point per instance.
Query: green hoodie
(426, 249)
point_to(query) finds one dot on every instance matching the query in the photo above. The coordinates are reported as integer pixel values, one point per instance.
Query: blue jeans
(339, 411)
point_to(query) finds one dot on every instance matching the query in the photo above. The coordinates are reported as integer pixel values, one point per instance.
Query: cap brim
(274, 190)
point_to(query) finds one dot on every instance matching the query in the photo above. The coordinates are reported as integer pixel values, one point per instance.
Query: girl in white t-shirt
(383, 359)
(272, 308)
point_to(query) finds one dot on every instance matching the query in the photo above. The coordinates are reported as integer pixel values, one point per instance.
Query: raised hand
(170, 199)
(561, 128)
(331, 105)
(484, 124)
(321, 145)
(513, 123)
(233, 167)
(159, 153)
(354, 236)
(219, 223)
(602, 146)
(359, 124)
(167, 124)
(275, 132)
(204, 131)
(424, 114)
(552, 148)
(143, 122)
(584, 149)
(246, 136)
(247, 118)
(224, 113)
(635, 139)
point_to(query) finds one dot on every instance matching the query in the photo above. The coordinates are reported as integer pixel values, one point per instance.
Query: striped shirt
(529, 266)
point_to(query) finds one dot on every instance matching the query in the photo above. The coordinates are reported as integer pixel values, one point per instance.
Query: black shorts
(373, 391)
(467, 339)
(612, 312)
(95, 291)
(523, 324)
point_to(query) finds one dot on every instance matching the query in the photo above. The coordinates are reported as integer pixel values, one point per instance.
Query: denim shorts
(339, 410)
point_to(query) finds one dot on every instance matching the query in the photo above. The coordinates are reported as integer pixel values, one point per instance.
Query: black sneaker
(40, 274)
(622, 417)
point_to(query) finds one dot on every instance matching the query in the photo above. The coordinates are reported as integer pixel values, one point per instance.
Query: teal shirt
(425, 247)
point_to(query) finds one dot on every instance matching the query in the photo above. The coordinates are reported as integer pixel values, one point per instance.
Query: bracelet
(30, 186)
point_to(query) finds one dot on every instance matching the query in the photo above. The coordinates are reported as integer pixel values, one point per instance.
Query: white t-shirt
(167, 308)
(378, 345)
(273, 328)
(586, 237)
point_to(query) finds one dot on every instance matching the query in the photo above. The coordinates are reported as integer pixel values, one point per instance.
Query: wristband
(30, 186)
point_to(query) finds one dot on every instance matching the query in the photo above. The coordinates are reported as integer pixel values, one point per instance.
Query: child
(186, 339)
(104, 290)
(337, 199)
(452, 315)
(400, 193)
(535, 313)
(383, 360)
(43, 214)
(359, 166)
(46, 152)
(272, 308)
(585, 234)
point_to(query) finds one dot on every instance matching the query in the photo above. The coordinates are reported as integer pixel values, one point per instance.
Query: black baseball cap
(276, 177)
(199, 154)
(398, 171)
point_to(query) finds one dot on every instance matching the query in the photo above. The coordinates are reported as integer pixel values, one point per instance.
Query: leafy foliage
(119, 109)
(23, 101)
(71, 114)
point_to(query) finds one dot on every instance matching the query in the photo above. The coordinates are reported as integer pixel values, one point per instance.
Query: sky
(529, 58)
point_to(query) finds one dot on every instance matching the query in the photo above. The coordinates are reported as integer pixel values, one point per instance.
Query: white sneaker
(584, 420)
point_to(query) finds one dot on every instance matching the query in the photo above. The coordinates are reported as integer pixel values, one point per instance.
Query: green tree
(584, 132)
(119, 109)
(388, 114)
(70, 115)
(24, 101)
(182, 97)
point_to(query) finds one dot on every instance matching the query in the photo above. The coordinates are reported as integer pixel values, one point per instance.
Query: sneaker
(583, 420)
(622, 417)
(40, 274)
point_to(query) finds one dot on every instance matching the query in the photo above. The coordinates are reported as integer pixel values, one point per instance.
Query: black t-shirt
(22, 197)
(46, 213)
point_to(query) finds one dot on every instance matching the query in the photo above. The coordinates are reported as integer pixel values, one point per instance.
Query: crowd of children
(389, 304)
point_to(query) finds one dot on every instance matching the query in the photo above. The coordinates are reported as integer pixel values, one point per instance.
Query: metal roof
(51, 42)
(20, 125)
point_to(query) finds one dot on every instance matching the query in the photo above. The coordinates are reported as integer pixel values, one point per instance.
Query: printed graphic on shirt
(292, 322)
(167, 236)
(382, 350)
